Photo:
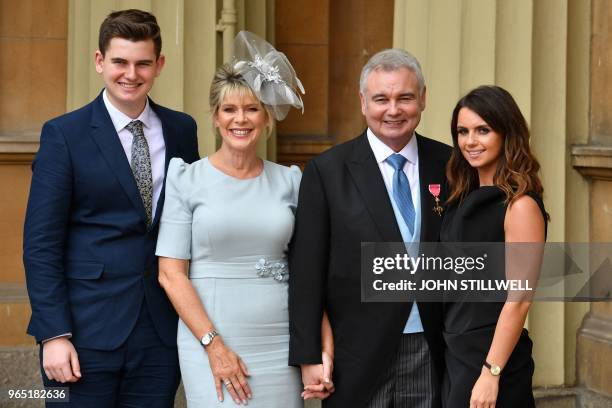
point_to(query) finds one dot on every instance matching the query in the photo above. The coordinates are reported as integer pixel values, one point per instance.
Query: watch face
(208, 338)
(495, 370)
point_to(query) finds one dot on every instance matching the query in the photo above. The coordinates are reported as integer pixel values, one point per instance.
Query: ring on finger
(227, 383)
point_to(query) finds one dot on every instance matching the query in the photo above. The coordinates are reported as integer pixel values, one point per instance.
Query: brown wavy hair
(517, 168)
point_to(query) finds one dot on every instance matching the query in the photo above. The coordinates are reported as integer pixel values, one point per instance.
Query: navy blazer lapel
(431, 171)
(105, 136)
(172, 150)
(366, 174)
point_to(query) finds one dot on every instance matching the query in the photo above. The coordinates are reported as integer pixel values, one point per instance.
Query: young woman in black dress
(495, 196)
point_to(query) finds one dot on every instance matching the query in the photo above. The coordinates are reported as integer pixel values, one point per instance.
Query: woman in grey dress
(226, 224)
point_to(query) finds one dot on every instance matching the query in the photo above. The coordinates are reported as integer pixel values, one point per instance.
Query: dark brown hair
(517, 168)
(133, 25)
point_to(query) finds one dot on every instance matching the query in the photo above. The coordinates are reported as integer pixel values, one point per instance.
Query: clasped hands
(317, 378)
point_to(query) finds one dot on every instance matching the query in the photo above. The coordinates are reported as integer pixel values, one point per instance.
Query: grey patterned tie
(141, 166)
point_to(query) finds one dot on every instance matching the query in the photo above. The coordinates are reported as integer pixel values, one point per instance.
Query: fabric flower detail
(278, 270)
(269, 72)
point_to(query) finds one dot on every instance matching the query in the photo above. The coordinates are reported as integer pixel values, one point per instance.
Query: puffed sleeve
(296, 177)
(174, 240)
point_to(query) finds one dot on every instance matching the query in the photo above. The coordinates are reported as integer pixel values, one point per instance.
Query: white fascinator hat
(268, 73)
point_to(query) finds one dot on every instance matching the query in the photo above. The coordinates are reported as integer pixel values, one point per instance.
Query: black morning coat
(343, 202)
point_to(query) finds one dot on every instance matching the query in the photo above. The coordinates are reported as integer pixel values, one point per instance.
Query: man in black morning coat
(386, 354)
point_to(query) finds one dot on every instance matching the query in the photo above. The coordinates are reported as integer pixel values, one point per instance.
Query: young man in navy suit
(106, 328)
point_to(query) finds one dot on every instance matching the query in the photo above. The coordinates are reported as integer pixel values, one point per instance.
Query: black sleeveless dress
(469, 327)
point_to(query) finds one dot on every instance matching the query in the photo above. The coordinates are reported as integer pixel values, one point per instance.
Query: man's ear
(362, 99)
(161, 61)
(99, 61)
(423, 98)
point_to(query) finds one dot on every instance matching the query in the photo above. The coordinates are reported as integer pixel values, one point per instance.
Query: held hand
(328, 369)
(484, 393)
(60, 360)
(229, 371)
(317, 378)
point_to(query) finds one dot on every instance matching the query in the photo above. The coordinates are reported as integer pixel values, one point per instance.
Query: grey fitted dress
(235, 233)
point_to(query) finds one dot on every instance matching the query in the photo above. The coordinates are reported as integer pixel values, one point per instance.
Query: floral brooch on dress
(278, 270)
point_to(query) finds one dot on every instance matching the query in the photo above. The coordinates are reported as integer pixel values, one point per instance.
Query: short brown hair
(133, 25)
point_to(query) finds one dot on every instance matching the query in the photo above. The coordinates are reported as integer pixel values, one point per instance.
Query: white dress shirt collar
(120, 119)
(382, 151)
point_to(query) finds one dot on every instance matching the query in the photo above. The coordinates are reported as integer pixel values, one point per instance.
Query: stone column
(594, 162)
(594, 351)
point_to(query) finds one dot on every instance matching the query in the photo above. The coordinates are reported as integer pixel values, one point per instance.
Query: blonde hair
(228, 80)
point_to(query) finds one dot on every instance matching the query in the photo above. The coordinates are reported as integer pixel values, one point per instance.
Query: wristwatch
(208, 337)
(493, 368)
